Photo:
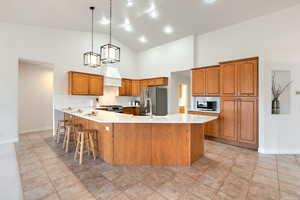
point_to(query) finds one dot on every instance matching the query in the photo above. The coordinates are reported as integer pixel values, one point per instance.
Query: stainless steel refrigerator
(159, 100)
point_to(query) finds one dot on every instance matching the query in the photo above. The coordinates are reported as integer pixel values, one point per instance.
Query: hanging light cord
(92, 8)
(110, 16)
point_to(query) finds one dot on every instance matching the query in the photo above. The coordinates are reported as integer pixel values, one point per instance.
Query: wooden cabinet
(211, 128)
(205, 81)
(228, 79)
(229, 119)
(247, 120)
(85, 84)
(198, 82)
(125, 89)
(96, 85)
(239, 120)
(79, 83)
(161, 81)
(136, 88)
(247, 77)
(132, 87)
(212, 78)
(239, 78)
(131, 110)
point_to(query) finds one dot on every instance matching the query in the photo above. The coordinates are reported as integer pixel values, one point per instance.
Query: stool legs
(85, 143)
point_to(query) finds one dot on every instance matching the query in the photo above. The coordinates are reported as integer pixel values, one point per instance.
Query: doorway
(35, 96)
(180, 94)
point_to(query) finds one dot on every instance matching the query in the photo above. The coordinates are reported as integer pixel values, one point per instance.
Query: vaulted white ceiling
(184, 16)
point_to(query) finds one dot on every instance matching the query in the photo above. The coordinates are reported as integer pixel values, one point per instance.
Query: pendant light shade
(110, 53)
(91, 58)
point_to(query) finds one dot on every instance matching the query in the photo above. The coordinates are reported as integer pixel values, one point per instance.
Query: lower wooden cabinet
(131, 110)
(239, 120)
(211, 128)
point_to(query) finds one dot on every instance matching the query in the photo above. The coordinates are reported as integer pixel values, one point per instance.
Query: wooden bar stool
(60, 127)
(71, 131)
(85, 143)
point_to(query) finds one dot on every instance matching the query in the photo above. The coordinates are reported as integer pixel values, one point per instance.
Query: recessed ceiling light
(127, 26)
(143, 39)
(104, 21)
(168, 29)
(152, 11)
(130, 3)
(209, 1)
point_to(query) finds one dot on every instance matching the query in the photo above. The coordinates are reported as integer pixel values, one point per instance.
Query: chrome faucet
(149, 103)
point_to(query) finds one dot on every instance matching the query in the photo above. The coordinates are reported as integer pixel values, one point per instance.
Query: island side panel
(170, 144)
(104, 140)
(196, 142)
(132, 144)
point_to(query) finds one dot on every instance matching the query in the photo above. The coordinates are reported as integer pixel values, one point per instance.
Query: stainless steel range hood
(111, 75)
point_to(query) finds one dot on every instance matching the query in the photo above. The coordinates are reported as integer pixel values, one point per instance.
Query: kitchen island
(176, 139)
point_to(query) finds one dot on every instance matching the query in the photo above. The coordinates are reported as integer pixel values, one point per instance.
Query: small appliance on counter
(112, 108)
(206, 104)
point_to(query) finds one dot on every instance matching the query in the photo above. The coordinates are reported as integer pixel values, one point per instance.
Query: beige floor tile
(39, 192)
(155, 196)
(120, 196)
(262, 192)
(289, 188)
(203, 191)
(138, 191)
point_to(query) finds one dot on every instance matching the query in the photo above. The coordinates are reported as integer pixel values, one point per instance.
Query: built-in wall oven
(206, 104)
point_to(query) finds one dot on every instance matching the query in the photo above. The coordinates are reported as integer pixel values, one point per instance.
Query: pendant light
(91, 58)
(110, 53)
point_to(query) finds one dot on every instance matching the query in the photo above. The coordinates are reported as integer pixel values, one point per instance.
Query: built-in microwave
(206, 104)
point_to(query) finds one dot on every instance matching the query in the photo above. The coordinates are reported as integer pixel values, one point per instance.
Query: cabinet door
(198, 82)
(144, 83)
(135, 88)
(228, 76)
(80, 84)
(96, 85)
(247, 120)
(229, 119)
(247, 78)
(212, 81)
(128, 87)
(124, 90)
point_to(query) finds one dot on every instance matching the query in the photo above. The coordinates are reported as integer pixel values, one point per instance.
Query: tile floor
(225, 172)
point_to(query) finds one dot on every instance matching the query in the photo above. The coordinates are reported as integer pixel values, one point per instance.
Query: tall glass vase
(275, 106)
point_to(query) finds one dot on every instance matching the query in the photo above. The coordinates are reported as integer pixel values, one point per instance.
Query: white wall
(35, 96)
(64, 49)
(274, 38)
(167, 58)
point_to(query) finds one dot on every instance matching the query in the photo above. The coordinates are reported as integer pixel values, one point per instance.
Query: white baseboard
(36, 130)
(15, 140)
(273, 151)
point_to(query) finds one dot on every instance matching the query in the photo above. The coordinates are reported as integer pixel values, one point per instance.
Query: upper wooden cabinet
(161, 81)
(247, 77)
(205, 81)
(228, 79)
(212, 78)
(198, 82)
(96, 85)
(239, 78)
(125, 89)
(132, 87)
(136, 88)
(85, 84)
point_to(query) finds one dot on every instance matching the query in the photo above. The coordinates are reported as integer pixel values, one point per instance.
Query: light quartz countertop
(111, 117)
